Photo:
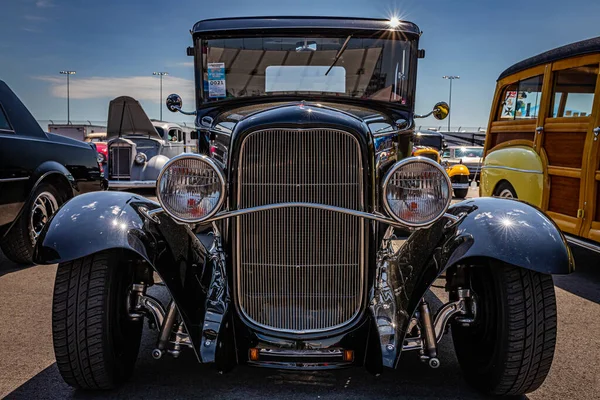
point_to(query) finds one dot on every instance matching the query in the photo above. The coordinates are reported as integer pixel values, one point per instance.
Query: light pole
(160, 74)
(68, 73)
(450, 78)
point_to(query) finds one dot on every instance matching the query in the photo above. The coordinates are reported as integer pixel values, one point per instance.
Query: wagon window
(521, 100)
(573, 93)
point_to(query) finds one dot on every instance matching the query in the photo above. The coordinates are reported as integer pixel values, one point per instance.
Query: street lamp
(67, 73)
(450, 78)
(161, 74)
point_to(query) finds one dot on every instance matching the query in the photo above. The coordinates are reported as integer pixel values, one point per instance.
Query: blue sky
(116, 45)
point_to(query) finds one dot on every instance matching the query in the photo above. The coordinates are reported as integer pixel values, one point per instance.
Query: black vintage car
(39, 171)
(326, 233)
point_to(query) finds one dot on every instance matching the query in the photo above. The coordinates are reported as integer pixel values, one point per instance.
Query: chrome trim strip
(131, 184)
(375, 217)
(529, 171)
(23, 178)
(582, 243)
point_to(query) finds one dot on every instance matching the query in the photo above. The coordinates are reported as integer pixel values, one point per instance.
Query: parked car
(313, 117)
(542, 142)
(429, 144)
(469, 156)
(99, 140)
(137, 147)
(39, 171)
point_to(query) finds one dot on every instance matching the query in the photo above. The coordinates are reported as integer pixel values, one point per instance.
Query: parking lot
(28, 370)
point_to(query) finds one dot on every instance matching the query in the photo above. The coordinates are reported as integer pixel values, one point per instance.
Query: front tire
(95, 342)
(510, 347)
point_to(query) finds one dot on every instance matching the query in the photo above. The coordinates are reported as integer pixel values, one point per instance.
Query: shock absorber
(430, 340)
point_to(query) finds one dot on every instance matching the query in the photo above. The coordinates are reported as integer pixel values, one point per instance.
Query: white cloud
(139, 87)
(44, 3)
(35, 18)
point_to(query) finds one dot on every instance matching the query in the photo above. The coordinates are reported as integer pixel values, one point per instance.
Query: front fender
(153, 167)
(513, 232)
(490, 228)
(95, 222)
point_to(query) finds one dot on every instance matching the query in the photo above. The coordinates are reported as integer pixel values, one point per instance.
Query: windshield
(468, 152)
(366, 68)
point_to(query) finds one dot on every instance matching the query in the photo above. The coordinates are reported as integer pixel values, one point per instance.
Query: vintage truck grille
(300, 269)
(119, 162)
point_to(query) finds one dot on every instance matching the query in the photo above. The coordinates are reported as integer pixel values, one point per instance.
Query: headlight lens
(140, 158)
(417, 191)
(191, 188)
(100, 158)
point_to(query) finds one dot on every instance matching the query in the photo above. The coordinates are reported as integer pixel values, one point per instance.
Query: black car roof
(570, 50)
(254, 25)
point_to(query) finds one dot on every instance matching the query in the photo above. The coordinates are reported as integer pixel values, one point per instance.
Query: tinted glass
(4, 121)
(368, 68)
(573, 94)
(521, 100)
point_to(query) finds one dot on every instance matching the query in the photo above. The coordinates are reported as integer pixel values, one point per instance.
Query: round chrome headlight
(417, 191)
(191, 188)
(140, 158)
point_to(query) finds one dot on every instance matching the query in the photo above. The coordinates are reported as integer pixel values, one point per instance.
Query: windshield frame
(411, 39)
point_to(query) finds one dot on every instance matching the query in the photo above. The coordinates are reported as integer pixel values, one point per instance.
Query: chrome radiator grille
(300, 269)
(119, 161)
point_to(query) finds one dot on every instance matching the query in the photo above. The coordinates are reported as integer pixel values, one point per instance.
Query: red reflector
(413, 206)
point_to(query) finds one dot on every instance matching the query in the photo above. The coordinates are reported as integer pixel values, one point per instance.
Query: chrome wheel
(42, 208)
(506, 193)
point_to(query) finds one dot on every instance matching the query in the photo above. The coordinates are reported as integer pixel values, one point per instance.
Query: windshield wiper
(339, 54)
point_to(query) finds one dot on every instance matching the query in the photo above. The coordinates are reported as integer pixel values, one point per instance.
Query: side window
(4, 124)
(173, 135)
(521, 100)
(573, 92)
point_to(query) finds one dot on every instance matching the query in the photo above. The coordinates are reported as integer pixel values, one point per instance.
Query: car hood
(377, 121)
(127, 117)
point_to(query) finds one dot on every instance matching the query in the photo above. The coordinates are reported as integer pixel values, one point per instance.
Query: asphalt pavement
(28, 369)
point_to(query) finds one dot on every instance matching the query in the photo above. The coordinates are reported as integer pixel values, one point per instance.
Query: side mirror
(174, 102)
(441, 110)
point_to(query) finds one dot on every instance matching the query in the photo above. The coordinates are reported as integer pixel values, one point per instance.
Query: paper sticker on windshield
(216, 80)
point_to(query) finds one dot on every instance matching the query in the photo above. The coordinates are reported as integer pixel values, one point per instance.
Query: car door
(591, 208)
(565, 134)
(14, 176)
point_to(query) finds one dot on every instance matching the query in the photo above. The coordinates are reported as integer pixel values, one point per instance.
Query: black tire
(95, 342)
(510, 347)
(461, 193)
(18, 244)
(505, 190)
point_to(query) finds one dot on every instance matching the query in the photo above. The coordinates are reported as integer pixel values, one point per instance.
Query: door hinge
(580, 213)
